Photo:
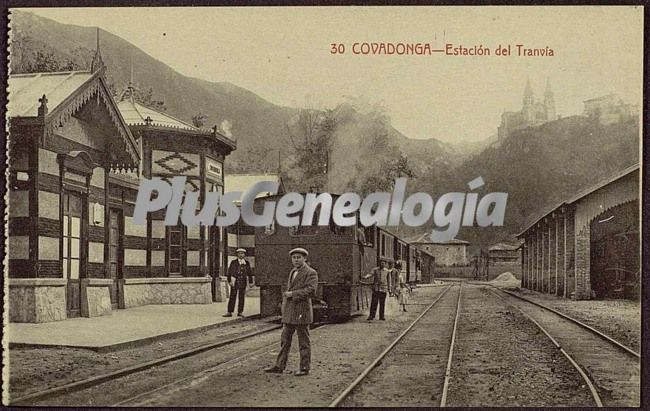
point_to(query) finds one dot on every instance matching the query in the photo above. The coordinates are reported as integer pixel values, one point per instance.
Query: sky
(284, 55)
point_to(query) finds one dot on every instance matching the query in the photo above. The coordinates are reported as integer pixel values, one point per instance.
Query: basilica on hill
(532, 113)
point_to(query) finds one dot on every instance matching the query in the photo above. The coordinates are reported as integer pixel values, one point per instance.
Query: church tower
(549, 102)
(529, 103)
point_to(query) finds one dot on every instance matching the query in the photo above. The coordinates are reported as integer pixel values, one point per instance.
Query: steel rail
(561, 314)
(219, 367)
(381, 356)
(592, 388)
(445, 386)
(578, 322)
(99, 379)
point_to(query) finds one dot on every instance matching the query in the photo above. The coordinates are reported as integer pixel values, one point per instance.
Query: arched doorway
(615, 252)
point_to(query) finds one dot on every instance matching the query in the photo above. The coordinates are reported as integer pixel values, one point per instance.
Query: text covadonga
(450, 49)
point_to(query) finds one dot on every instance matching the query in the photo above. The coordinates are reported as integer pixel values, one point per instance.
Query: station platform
(128, 327)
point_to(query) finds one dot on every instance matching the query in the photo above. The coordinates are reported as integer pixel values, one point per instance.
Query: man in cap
(297, 312)
(382, 283)
(240, 271)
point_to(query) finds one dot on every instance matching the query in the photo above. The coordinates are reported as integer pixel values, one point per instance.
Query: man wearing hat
(297, 312)
(240, 270)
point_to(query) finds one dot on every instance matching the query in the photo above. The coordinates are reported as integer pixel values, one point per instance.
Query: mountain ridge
(253, 118)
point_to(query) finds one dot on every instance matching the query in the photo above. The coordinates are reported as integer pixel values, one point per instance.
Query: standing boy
(240, 270)
(381, 285)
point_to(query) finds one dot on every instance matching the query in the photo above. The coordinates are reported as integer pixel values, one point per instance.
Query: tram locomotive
(339, 257)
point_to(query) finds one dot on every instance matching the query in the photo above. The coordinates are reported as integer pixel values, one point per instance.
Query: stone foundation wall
(37, 300)
(222, 290)
(95, 297)
(186, 290)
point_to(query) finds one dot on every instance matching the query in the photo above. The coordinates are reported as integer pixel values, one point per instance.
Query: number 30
(337, 48)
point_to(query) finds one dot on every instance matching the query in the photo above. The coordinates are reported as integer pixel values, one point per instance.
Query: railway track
(610, 369)
(578, 322)
(420, 356)
(111, 376)
(141, 398)
(559, 313)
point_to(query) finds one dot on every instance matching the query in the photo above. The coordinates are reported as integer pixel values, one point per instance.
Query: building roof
(425, 238)
(242, 182)
(605, 97)
(581, 195)
(503, 246)
(65, 94)
(25, 90)
(135, 114)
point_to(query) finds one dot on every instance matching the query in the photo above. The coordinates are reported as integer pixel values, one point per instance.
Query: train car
(412, 268)
(341, 255)
(401, 255)
(335, 252)
(387, 242)
(427, 267)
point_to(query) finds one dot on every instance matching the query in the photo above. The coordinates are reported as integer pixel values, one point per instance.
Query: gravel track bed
(615, 373)
(129, 386)
(502, 359)
(412, 373)
(620, 319)
(339, 353)
(37, 369)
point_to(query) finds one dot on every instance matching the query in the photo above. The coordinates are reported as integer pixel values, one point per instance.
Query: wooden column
(523, 266)
(537, 259)
(202, 188)
(531, 252)
(548, 265)
(528, 245)
(146, 173)
(107, 225)
(557, 222)
(542, 255)
(565, 255)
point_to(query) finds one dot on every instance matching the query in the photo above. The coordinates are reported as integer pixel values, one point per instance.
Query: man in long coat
(239, 270)
(297, 312)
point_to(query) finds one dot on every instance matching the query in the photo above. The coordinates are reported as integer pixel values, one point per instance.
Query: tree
(380, 160)
(143, 97)
(27, 58)
(199, 119)
(389, 169)
(311, 134)
(147, 100)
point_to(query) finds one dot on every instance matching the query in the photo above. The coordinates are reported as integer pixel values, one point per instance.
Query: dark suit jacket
(241, 273)
(297, 309)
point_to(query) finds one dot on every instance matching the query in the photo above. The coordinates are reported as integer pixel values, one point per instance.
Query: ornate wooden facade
(65, 135)
(75, 159)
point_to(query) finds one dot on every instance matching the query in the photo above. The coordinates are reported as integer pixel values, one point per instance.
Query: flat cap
(240, 250)
(299, 250)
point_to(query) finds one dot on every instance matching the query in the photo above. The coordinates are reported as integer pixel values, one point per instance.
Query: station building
(447, 254)
(241, 235)
(75, 160)
(504, 253)
(589, 245)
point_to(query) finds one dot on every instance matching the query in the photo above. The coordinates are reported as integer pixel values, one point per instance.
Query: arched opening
(615, 252)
